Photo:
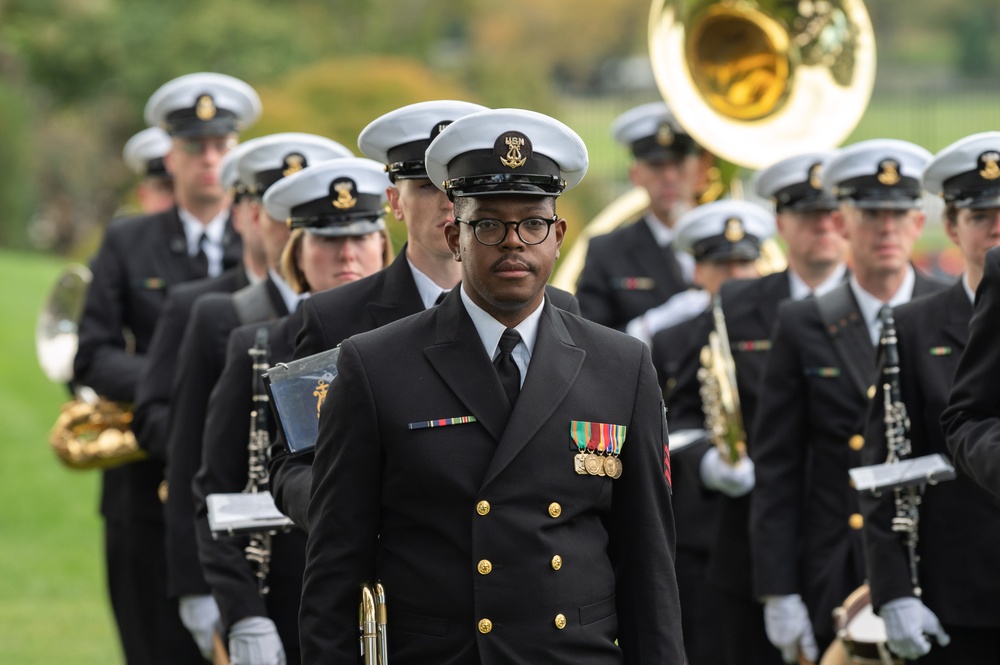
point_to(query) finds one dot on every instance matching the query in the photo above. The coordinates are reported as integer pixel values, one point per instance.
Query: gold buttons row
(485, 567)
(483, 508)
(485, 625)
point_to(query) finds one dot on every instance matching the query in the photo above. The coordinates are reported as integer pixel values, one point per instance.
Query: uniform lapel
(399, 297)
(555, 364)
(959, 314)
(847, 330)
(657, 262)
(179, 268)
(775, 291)
(459, 358)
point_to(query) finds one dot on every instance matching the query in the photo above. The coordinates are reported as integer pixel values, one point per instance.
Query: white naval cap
(966, 174)
(203, 104)
(400, 138)
(143, 153)
(795, 183)
(276, 156)
(728, 230)
(338, 197)
(506, 151)
(879, 174)
(653, 133)
(229, 174)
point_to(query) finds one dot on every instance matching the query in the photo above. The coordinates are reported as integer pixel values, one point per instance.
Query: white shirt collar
(968, 289)
(429, 291)
(215, 231)
(800, 290)
(870, 305)
(490, 330)
(288, 294)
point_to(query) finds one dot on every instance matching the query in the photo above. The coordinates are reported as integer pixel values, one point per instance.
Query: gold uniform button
(485, 626)
(871, 392)
(555, 510)
(485, 567)
(856, 521)
(556, 562)
(560, 621)
(483, 507)
(856, 442)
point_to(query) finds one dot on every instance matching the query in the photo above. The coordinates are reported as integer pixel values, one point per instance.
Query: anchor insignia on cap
(888, 172)
(734, 230)
(990, 170)
(344, 198)
(204, 108)
(513, 159)
(664, 134)
(293, 164)
(814, 172)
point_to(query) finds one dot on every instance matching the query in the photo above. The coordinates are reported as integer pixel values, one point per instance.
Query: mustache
(510, 263)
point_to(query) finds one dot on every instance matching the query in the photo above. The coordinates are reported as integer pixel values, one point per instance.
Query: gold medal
(613, 467)
(578, 464)
(592, 463)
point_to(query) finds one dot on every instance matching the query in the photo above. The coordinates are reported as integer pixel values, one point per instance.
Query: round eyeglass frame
(475, 224)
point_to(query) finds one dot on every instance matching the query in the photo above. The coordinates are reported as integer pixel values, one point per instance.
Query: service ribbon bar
(599, 437)
(442, 422)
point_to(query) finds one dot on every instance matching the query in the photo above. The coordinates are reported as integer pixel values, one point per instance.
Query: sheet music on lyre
(923, 470)
(297, 390)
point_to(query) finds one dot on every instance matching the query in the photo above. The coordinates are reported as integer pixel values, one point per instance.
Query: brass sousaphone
(753, 82)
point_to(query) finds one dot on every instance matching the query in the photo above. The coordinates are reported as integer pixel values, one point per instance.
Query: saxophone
(258, 550)
(372, 625)
(720, 397)
(897, 427)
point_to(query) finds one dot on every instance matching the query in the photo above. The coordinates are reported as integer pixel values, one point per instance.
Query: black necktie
(440, 297)
(200, 260)
(510, 375)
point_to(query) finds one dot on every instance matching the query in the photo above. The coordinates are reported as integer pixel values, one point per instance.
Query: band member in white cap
(634, 269)
(956, 591)
(815, 252)
(438, 469)
(143, 154)
(330, 246)
(173, 403)
(724, 238)
(805, 526)
(418, 279)
(139, 260)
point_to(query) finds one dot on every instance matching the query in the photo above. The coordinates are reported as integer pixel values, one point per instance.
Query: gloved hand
(255, 641)
(200, 615)
(907, 624)
(732, 480)
(786, 622)
(678, 309)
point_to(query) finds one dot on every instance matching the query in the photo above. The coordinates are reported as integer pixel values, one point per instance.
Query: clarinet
(258, 550)
(897, 428)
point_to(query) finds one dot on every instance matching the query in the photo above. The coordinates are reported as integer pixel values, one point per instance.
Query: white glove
(907, 620)
(200, 615)
(732, 480)
(678, 309)
(786, 621)
(255, 641)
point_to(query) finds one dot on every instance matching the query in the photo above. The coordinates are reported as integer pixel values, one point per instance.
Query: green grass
(53, 605)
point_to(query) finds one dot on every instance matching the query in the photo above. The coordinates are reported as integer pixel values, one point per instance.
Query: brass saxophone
(372, 625)
(720, 397)
(258, 550)
(897, 428)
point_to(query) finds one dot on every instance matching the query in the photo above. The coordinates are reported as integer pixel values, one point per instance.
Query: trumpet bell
(755, 81)
(56, 327)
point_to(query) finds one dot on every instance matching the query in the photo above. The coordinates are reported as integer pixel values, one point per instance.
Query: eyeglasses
(491, 232)
(221, 145)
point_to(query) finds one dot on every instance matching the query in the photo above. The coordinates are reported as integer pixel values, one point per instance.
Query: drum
(861, 638)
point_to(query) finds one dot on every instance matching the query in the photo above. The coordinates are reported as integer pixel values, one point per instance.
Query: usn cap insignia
(438, 128)
(204, 108)
(734, 230)
(664, 134)
(888, 172)
(345, 190)
(988, 162)
(293, 163)
(514, 149)
(814, 175)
